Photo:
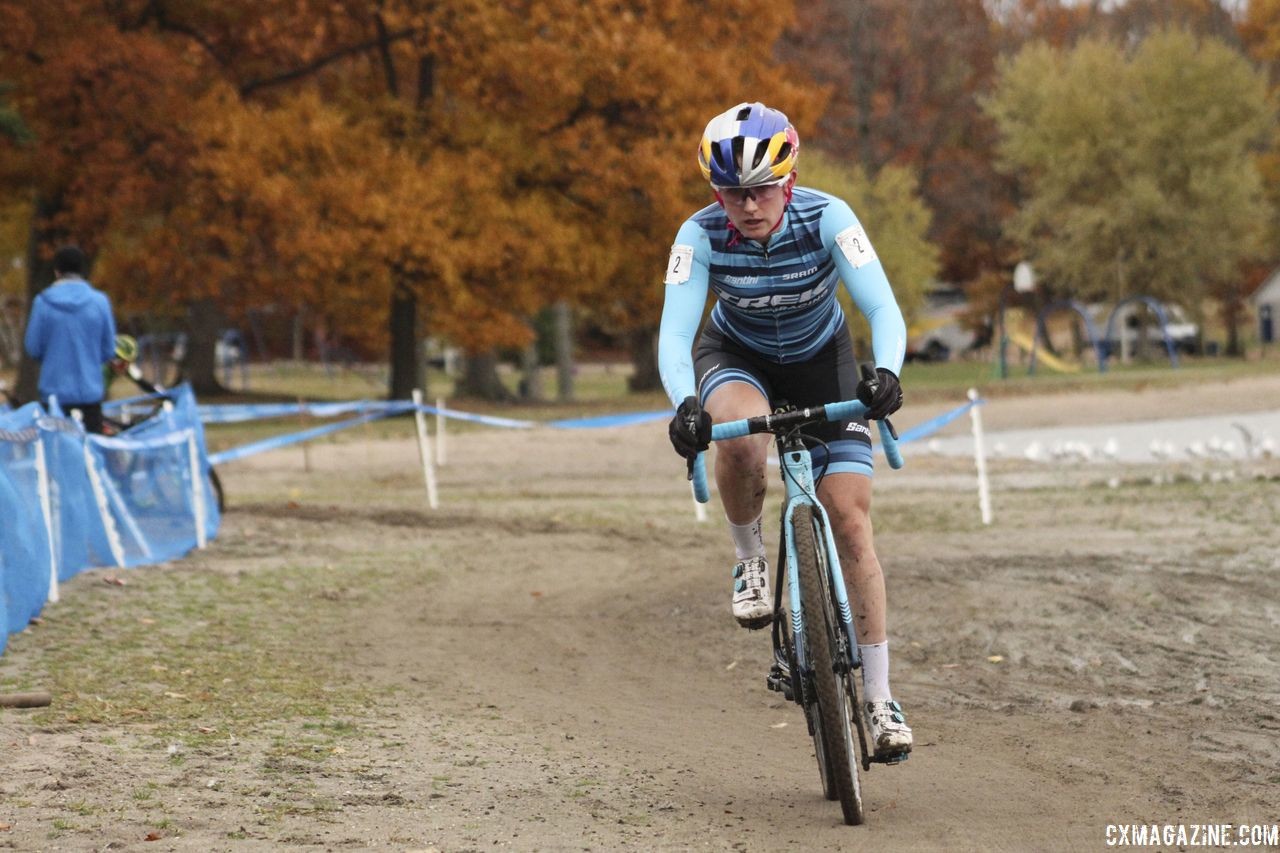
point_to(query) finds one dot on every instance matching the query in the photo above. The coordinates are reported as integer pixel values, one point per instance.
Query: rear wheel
(835, 739)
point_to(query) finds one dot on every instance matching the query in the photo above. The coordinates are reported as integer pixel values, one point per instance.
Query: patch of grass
(193, 657)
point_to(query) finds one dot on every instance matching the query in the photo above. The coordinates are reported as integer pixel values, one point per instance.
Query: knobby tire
(833, 731)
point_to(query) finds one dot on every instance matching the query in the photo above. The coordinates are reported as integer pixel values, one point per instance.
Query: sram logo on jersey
(802, 274)
(779, 300)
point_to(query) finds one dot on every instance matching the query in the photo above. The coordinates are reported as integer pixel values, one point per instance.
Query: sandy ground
(558, 669)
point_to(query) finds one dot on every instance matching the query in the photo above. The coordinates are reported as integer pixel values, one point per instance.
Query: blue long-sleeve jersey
(777, 298)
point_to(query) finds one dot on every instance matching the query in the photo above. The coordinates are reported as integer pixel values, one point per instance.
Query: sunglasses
(758, 194)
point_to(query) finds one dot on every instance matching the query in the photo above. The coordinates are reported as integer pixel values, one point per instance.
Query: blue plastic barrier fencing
(26, 568)
(72, 501)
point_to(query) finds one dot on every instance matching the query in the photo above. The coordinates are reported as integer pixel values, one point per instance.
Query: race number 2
(855, 245)
(679, 265)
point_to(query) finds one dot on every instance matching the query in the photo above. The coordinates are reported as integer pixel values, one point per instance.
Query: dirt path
(554, 666)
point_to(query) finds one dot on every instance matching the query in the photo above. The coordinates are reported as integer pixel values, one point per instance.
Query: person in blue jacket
(72, 333)
(772, 255)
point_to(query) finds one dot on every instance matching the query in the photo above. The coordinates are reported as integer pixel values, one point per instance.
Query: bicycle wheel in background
(216, 482)
(833, 729)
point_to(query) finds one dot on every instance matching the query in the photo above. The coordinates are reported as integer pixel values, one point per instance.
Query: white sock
(875, 671)
(748, 539)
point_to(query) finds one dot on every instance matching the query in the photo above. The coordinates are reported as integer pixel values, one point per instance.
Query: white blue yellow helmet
(748, 146)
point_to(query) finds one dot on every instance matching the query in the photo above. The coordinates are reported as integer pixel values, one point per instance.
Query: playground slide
(1049, 360)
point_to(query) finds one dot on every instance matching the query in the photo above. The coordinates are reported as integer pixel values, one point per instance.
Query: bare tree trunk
(39, 276)
(644, 359)
(1231, 310)
(531, 381)
(406, 366)
(200, 364)
(480, 379)
(564, 351)
(864, 83)
(299, 335)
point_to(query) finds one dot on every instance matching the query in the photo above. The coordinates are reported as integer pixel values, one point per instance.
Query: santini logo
(854, 426)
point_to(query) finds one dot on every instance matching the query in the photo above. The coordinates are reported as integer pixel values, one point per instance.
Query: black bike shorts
(830, 376)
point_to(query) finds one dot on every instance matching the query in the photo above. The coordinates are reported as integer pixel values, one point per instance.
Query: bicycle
(816, 663)
(125, 364)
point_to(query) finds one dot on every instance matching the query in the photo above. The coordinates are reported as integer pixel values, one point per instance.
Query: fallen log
(35, 699)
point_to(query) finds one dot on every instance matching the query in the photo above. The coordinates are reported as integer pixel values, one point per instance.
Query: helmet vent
(744, 113)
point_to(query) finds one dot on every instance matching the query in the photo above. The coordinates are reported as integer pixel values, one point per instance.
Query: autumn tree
(88, 166)
(905, 77)
(1145, 185)
(1260, 33)
(603, 113)
(896, 219)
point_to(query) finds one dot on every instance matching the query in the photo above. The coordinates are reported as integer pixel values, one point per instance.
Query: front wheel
(835, 739)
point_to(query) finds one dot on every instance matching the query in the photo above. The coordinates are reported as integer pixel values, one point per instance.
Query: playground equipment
(1049, 360)
(1114, 341)
(1126, 337)
(1042, 331)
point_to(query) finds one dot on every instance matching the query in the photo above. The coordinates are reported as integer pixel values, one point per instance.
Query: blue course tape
(479, 419)
(237, 413)
(612, 420)
(931, 426)
(370, 410)
(292, 438)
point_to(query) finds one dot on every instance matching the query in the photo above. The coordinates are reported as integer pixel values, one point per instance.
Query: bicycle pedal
(779, 683)
(891, 759)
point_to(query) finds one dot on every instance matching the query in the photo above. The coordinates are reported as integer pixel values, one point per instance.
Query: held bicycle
(816, 661)
(134, 415)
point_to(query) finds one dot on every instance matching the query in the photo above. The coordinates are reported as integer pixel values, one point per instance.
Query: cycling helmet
(748, 146)
(126, 348)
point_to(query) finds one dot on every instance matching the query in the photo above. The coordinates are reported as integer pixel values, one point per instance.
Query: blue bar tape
(112, 405)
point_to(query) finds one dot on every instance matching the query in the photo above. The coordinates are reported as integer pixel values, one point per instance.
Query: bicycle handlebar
(848, 409)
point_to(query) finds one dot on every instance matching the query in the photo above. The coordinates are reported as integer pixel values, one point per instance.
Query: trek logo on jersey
(854, 426)
(779, 300)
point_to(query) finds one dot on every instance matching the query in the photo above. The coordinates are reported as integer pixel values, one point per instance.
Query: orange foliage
(494, 157)
(107, 116)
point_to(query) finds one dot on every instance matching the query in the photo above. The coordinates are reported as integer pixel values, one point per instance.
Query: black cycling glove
(690, 429)
(880, 392)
